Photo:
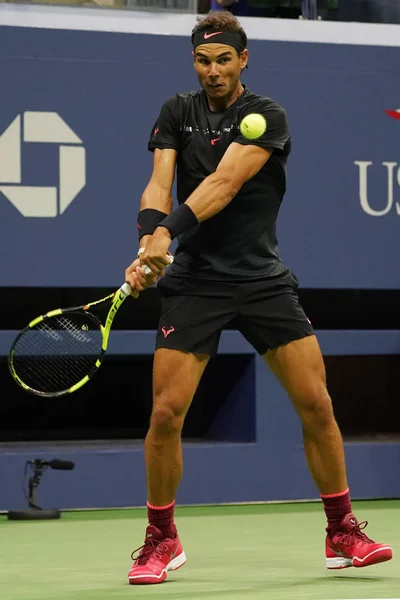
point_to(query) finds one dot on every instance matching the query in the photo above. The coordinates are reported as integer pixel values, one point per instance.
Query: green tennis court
(244, 552)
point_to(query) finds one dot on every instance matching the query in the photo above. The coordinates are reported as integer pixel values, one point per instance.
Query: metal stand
(34, 512)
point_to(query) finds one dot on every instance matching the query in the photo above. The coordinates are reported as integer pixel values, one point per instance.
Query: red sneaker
(157, 556)
(350, 547)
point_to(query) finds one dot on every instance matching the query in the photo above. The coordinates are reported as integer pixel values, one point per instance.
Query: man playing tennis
(227, 269)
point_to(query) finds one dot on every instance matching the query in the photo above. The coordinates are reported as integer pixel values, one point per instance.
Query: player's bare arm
(157, 196)
(239, 164)
(157, 193)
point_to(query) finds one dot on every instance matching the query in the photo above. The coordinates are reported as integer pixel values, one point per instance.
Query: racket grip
(147, 270)
(126, 288)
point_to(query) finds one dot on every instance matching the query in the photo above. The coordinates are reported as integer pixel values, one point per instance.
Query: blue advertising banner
(77, 108)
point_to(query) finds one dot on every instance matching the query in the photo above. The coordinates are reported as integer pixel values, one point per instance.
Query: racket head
(57, 353)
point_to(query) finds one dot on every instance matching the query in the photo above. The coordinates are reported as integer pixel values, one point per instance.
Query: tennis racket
(60, 351)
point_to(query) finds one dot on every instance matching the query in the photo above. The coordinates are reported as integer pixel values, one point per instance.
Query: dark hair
(220, 20)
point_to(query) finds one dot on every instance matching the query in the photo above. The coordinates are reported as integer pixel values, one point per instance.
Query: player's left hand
(137, 279)
(155, 255)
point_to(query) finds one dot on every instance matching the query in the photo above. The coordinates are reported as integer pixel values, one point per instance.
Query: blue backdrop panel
(108, 87)
(111, 473)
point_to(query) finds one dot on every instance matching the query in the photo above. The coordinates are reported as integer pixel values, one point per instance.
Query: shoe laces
(149, 547)
(355, 534)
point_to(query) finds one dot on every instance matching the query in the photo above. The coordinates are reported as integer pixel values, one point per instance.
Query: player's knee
(317, 411)
(165, 421)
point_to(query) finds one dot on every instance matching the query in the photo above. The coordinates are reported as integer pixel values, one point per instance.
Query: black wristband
(148, 220)
(179, 221)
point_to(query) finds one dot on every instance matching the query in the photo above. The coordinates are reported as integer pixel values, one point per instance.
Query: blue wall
(108, 87)
(272, 467)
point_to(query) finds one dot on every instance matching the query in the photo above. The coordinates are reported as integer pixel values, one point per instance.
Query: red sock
(162, 517)
(336, 507)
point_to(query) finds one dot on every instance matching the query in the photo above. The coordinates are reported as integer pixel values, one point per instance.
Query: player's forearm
(157, 197)
(208, 199)
(211, 196)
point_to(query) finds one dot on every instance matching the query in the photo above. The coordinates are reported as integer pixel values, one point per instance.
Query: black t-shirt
(239, 243)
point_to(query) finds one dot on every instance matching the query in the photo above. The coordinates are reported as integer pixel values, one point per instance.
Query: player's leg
(190, 325)
(300, 368)
(275, 324)
(176, 376)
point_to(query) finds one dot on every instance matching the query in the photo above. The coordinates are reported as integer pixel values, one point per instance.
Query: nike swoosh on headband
(208, 35)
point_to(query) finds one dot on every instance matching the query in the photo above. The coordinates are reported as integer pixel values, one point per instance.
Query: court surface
(234, 552)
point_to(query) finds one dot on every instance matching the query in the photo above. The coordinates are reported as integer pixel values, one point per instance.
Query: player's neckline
(221, 112)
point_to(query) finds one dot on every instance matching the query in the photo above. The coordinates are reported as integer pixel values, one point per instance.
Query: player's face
(218, 68)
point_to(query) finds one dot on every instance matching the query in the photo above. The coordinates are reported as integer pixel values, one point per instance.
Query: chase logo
(42, 128)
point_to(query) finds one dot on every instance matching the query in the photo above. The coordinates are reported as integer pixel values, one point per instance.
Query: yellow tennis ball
(253, 126)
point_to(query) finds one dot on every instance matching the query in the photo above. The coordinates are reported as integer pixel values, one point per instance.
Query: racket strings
(49, 377)
(58, 352)
(45, 376)
(52, 373)
(38, 375)
(67, 359)
(47, 347)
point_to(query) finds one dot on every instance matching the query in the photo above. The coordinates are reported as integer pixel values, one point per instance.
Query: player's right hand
(136, 278)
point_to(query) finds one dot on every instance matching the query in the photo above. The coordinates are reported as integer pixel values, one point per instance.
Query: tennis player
(227, 270)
